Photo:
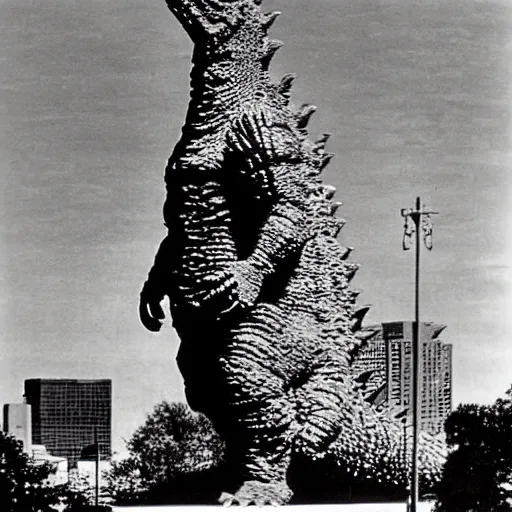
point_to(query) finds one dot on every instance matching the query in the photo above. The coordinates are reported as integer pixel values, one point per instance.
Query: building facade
(389, 354)
(59, 474)
(18, 422)
(67, 414)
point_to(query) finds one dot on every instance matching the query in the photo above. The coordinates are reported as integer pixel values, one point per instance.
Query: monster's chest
(198, 152)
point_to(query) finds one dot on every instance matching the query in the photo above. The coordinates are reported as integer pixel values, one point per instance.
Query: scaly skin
(258, 284)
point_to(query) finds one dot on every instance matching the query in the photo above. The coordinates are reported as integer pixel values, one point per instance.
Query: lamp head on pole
(409, 228)
(412, 220)
(426, 226)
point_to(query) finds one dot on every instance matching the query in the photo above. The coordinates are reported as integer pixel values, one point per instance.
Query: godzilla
(258, 285)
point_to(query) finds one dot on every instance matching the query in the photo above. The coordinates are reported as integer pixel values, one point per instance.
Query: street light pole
(97, 465)
(420, 219)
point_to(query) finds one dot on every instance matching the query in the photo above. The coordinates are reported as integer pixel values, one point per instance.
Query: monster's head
(209, 21)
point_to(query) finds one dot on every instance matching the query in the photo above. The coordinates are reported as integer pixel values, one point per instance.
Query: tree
(168, 455)
(478, 471)
(23, 485)
(79, 494)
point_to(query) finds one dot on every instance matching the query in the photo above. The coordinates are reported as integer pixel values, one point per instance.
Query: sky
(416, 95)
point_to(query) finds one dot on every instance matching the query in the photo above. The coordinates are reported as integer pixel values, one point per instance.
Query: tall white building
(18, 422)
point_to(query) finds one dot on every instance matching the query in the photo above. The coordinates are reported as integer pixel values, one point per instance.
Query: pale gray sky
(92, 97)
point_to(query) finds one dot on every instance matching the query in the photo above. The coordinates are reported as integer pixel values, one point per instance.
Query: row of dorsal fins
(302, 118)
(303, 115)
(305, 112)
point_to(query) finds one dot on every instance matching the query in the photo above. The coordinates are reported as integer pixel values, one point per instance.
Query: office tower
(17, 422)
(436, 385)
(389, 354)
(66, 413)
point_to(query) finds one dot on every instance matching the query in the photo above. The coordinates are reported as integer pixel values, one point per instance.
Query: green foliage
(23, 484)
(478, 472)
(80, 494)
(172, 448)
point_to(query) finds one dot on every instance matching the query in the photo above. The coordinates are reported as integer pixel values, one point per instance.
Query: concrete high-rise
(389, 354)
(17, 422)
(66, 413)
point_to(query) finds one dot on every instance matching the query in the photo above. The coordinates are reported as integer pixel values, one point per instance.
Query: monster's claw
(234, 305)
(216, 288)
(156, 310)
(150, 311)
(148, 320)
(260, 502)
(226, 499)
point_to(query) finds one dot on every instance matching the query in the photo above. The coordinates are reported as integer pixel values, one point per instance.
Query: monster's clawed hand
(150, 309)
(234, 286)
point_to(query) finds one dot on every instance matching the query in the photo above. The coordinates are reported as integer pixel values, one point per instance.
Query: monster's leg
(324, 411)
(318, 293)
(260, 416)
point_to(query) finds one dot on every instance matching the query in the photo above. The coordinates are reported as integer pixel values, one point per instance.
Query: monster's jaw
(205, 19)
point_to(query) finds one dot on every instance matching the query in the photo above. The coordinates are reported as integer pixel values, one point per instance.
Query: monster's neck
(223, 83)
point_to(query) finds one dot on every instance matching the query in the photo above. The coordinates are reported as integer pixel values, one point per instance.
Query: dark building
(389, 354)
(66, 413)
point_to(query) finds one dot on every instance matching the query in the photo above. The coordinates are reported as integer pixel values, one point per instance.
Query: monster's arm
(277, 159)
(284, 231)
